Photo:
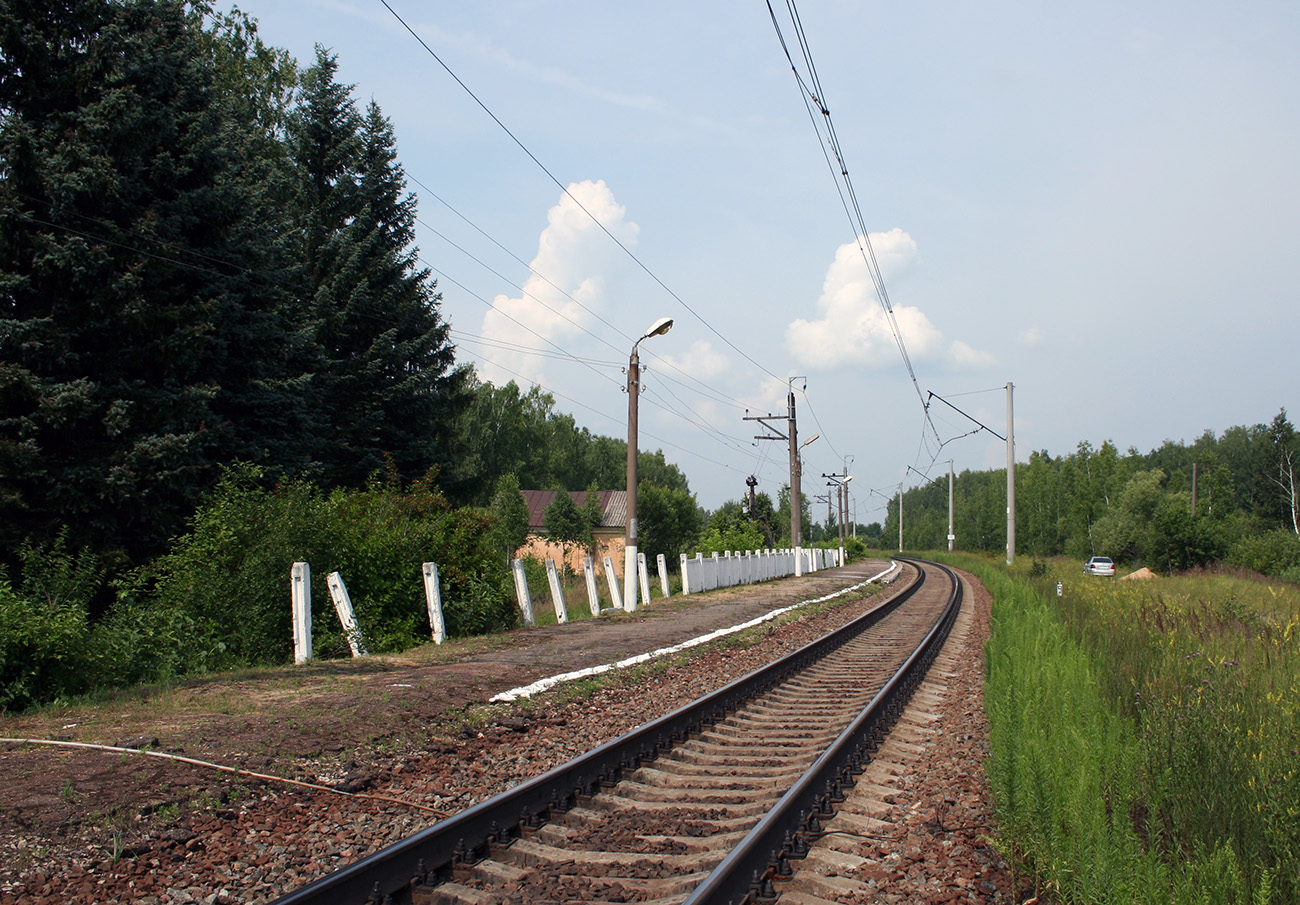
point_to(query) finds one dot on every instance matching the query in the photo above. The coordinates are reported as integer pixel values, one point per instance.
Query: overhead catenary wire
(613, 418)
(701, 386)
(565, 355)
(565, 189)
(813, 94)
(507, 346)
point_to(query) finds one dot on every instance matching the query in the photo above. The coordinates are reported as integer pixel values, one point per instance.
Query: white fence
(729, 569)
(698, 574)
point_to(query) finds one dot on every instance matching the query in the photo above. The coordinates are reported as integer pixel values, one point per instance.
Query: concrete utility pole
(658, 328)
(796, 496)
(1011, 479)
(751, 482)
(796, 470)
(841, 484)
(951, 537)
(900, 518)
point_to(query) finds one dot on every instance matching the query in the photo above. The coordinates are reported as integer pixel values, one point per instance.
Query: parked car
(1099, 565)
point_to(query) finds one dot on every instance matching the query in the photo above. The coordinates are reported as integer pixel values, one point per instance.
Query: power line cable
(844, 184)
(717, 394)
(613, 418)
(570, 195)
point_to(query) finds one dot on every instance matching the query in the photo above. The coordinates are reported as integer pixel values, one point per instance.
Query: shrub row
(220, 598)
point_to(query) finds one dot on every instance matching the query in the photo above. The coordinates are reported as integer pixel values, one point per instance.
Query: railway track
(708, 804)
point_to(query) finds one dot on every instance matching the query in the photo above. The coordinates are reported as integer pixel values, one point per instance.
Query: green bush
(50, 648)
(1272, 553)
(230, 575)
(383, 537)
(736, 537)
(854, 549)
(45, 627)
(42, 649)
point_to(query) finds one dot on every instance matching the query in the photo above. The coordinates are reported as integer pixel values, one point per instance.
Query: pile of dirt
(1140, 574)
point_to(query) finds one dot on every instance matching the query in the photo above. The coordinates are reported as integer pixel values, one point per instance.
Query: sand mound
(1140, 574)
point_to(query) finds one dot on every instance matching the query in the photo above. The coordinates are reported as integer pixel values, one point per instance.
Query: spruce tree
(142, 338)
(387, 376)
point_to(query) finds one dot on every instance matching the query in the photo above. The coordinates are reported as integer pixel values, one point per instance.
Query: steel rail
(392, 874)
(745, 875)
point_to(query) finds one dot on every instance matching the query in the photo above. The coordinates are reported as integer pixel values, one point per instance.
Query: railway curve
(707, 804)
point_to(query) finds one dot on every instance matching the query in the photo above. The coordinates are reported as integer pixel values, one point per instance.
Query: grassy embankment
(1144, 735)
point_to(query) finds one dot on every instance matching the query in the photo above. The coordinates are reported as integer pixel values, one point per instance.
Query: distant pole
(844, 505)
(791, 435)
(951, 537)
(1011, 478)
(629, 541)
(796, 498)
(1193, 490)
(900, 518)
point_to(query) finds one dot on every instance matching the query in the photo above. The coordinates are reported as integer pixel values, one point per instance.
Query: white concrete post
(433, 597)
(300, 594)
(521, 591)
(686, 575)
(343, 606)
(663, 574)
(593, 596)
(557, 593)
(644, 576)
(615, 597)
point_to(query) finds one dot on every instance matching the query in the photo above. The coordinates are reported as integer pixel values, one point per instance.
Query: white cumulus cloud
(854, 329)
(700, 361)
(572, 271)
(1032, 337)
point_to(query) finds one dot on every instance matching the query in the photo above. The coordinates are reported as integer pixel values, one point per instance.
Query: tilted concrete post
(343, 606)
(612, 578)
(521, 592)
(663, 574)
(557, 593)
(433, 597)
(593, 596)
(644, 577)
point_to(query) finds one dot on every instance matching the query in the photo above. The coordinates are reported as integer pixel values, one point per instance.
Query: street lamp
(658, 328)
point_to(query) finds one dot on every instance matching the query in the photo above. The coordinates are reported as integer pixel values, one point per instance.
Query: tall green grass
(1131, 759)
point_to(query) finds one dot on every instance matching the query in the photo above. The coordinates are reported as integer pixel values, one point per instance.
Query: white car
(1099, 565)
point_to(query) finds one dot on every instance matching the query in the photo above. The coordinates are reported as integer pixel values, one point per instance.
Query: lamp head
(659, 327)
(810, 439)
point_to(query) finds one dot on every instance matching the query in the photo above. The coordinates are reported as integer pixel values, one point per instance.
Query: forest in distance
(1231, 497)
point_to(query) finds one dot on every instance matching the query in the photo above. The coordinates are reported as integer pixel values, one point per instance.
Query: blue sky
(1099, 203)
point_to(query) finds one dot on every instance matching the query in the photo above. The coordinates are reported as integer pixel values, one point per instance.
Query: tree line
(1231, 497)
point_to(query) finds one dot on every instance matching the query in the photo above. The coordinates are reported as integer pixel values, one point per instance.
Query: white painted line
(541, 685)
